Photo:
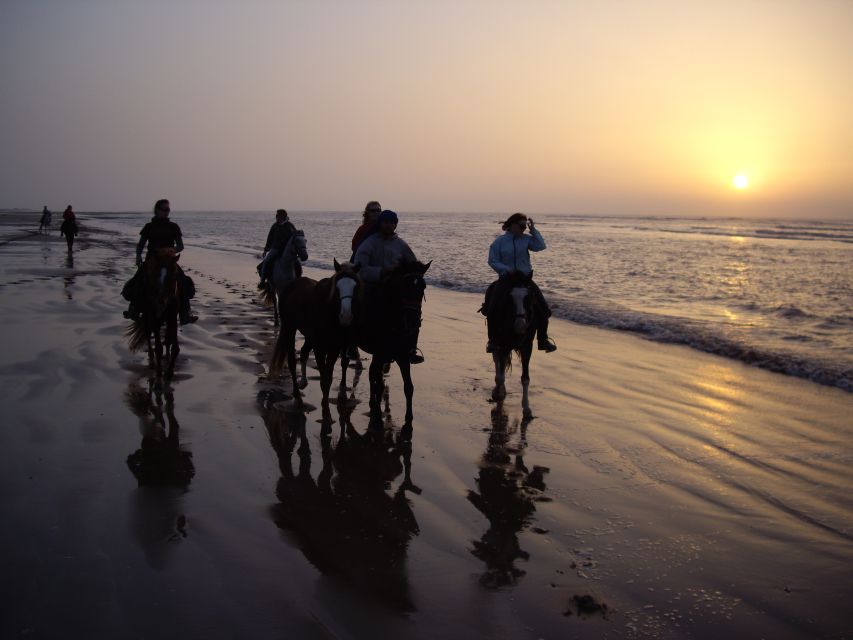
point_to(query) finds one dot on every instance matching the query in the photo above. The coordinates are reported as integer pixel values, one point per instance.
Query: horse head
(162, 281)
(299, 245)
(347, 284)
(407, 284)
(521, 302)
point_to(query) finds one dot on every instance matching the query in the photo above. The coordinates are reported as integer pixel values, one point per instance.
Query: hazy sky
(630, 107)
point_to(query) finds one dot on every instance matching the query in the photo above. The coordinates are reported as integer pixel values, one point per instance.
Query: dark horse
(515, 320)
(325, 313)
(159, 317)
(389, 329)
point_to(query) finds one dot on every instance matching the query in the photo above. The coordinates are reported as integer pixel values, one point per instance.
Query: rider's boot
(546, 344)
(415, 357)
(131, 313)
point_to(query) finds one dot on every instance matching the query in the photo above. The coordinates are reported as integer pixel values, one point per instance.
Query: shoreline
(693, 495)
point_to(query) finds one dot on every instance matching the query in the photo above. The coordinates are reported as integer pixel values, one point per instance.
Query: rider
(160, 233)
(380, 254)
(44, 223)
(509, 254)
(368, 225)
(279, 235)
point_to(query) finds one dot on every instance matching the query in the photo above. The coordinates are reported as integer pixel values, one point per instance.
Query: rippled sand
(658, 492)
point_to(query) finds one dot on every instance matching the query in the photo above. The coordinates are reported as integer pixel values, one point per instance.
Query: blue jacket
(510, 252)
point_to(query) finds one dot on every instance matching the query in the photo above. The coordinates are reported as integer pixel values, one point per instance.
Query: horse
(159, 317)
(389, 330)
(285, 270)
(325, 313)
(516, 318)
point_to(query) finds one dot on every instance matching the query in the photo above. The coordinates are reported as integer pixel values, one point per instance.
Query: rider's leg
(266, 266)
(545, 343)
(186, 290)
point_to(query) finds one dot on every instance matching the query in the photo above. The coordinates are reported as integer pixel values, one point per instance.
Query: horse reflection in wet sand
(507, 495)
(325, 312)
(159, 317)
(285, 270)
(345, 522)
(516, 321)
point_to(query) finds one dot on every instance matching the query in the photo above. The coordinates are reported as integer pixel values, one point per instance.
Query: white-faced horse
(325, 312)
(513, 325)
(285, 270)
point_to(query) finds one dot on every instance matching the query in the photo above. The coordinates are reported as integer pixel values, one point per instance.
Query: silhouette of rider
(279, 235)
(159, 233)
(510, 254)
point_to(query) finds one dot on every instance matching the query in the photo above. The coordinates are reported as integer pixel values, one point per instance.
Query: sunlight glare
(740, 181)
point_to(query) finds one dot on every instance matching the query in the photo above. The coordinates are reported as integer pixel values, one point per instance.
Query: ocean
(771, 293)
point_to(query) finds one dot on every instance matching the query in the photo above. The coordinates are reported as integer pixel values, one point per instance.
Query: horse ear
(426, 266)
(337, 266)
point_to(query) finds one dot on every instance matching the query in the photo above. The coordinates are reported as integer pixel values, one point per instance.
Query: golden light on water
(740, 181)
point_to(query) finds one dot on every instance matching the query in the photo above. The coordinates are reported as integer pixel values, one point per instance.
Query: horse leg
(499, 392)
(377, 384)
(344, 365)
(408, 386)
(158, 351)
(326, 364)
(172, 343)
(303, 364)
(289, 335)
(274, 309)
(526, 351)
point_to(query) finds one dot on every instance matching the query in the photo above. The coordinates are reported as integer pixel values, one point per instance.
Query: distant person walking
(508, 255)
(69, 230)
(44, 223)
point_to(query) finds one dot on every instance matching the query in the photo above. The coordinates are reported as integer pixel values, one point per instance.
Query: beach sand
(658, 492)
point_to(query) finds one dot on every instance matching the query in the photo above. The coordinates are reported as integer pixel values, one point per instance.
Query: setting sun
(740, 182)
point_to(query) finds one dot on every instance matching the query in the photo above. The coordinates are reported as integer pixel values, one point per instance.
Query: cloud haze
(604, 107)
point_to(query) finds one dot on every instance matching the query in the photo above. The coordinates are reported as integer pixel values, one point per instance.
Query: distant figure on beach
(379, 255)
(508, 255)
(44, 223)
(279, 235)
(69, 230)
(160, 233)
(368, 225)
(68, 214)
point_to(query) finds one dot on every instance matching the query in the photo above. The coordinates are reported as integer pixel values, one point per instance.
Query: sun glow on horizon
(740, 181)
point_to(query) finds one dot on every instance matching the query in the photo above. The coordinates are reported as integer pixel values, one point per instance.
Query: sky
(646, 107)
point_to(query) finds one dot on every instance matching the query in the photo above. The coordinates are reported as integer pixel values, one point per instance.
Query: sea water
(772, 293)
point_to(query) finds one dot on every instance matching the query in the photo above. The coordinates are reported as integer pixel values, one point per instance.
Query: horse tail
(279, 353)
(268, 295)
(137, 335)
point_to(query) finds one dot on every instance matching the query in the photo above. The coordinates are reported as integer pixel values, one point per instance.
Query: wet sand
(658, 492)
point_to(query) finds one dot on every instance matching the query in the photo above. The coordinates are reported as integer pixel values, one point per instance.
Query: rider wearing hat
(510, 254)
(382, 252)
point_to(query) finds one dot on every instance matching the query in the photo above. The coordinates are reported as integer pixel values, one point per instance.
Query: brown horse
(159, 317)
(514, 319)
(325, 312)
(389, 329)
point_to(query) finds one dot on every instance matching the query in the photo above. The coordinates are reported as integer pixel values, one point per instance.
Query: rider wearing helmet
(510, 254)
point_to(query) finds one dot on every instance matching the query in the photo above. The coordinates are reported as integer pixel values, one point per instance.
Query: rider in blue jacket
(510, 254)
